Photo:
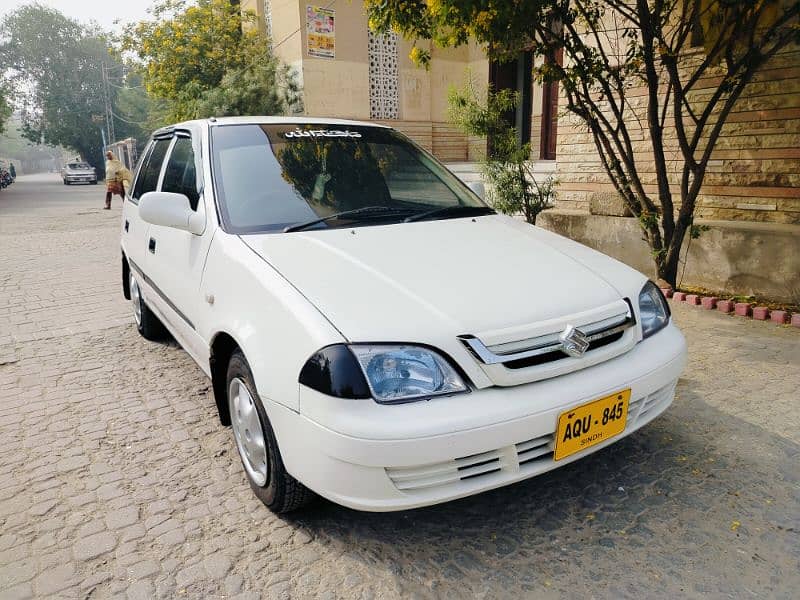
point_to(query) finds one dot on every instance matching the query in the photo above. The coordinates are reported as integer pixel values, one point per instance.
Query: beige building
(348, 72)
(751, 196)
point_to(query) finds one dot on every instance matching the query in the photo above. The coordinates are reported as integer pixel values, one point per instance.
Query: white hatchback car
(373, 331)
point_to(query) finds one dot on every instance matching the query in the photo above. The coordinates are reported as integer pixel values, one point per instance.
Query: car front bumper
(392, 457)
(80, 179)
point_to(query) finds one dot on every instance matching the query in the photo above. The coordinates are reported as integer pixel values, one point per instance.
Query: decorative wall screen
(268, 19)
(384, 102)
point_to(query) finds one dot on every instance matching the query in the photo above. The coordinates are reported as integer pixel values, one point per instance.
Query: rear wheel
(146, 322)
(256, 443)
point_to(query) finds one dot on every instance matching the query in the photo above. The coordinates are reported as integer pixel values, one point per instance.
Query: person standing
(12, 170)
(115, 172)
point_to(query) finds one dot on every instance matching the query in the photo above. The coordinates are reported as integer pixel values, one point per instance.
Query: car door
(175, 258)
(134, 229)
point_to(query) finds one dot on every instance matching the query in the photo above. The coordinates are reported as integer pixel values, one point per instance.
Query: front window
(270, 177)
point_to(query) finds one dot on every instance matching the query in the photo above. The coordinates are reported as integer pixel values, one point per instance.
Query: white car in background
(374, 332)
(78, 172)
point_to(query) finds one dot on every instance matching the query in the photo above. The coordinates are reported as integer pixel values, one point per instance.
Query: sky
(105, 12)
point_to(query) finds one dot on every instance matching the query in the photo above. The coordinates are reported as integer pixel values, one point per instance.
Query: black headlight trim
(334, 371)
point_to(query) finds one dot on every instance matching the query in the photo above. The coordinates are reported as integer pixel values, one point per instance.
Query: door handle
(126, 225)
(152, 246)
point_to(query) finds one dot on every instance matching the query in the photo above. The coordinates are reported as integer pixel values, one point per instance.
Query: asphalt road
(117, 481)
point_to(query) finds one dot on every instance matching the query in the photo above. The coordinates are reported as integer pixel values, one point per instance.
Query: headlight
(402, 373)
(386, 372)
(653, 309)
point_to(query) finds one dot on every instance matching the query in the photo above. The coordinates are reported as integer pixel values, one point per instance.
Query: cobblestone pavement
(117, 481)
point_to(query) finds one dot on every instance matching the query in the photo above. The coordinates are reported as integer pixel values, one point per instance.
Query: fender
(276, 327)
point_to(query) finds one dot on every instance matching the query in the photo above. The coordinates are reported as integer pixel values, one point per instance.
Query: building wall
(750, 200)
(754, 174)
(339, 87)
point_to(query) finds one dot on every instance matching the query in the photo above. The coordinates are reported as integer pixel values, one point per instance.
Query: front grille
(558, 354)
(551, 346)
(529, 457)
(538, 351)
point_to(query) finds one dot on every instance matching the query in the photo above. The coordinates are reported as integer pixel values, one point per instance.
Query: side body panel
(174, 267)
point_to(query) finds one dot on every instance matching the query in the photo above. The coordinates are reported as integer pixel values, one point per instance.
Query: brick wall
(755, 170)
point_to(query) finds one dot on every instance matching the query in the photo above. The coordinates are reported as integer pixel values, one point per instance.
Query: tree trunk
(667, 269)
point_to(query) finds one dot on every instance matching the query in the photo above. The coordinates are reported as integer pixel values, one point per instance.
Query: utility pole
(109, 112)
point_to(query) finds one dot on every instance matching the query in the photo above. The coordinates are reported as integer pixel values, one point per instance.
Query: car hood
(418, 281)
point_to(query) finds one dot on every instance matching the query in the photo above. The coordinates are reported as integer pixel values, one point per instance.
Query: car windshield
(78, 166)
(273, 177)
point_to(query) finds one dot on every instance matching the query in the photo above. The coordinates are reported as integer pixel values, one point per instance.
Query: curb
(740, 309)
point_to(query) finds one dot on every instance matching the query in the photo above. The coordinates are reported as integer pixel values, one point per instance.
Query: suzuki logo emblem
(573, 342)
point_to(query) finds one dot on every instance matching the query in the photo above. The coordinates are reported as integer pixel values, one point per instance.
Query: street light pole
(109, 112)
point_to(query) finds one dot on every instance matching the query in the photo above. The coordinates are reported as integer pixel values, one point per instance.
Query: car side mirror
(171, 210)
(478, 188)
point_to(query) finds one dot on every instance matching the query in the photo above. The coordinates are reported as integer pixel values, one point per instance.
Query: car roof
(265, 120)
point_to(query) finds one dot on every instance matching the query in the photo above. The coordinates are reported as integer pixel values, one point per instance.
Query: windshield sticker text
(301, 133)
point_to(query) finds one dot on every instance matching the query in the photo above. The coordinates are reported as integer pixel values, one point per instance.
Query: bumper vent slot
(527, 458)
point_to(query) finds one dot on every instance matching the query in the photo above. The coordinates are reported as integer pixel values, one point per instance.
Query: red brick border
(709, 302)
(761, 313)
(725, 306)
(741, 309)
(780, 316)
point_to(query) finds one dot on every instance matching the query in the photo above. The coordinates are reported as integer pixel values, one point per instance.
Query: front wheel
(256, 443)
(146, 322)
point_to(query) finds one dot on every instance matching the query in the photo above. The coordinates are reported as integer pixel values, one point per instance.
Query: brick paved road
(117, 481)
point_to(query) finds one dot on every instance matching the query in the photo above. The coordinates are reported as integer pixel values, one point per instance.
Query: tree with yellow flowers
(191, 53)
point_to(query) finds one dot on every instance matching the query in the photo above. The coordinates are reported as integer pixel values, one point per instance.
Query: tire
(66, 182)
(146, 322)
(272, 484)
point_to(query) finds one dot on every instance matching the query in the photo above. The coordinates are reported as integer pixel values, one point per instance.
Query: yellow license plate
(584, 426)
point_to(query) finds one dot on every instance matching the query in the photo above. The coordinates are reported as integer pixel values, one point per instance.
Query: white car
(78, 172)
(373, 331)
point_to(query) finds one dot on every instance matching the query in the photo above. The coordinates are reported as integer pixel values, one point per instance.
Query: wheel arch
(223, 345)
(126, 273)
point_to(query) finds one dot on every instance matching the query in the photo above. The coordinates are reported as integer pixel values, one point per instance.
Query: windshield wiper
(365, 210)
(451, 210)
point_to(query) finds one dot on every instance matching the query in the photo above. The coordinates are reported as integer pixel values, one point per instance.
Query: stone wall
(735, 257)
(754, 174)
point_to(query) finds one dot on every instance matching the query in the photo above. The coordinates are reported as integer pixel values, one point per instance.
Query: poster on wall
(320, 32)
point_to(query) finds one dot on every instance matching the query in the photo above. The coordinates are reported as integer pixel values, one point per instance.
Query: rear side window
(148, 177)
(180, 175)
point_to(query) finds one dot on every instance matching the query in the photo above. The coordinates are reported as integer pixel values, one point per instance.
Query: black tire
(148, 324)
(66, 182)
(281, 493)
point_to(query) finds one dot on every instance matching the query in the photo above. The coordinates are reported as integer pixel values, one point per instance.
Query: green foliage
(695, 231)
(55, 67)
(262, 87)
(513, 188)
(5, 109)
(197, 61)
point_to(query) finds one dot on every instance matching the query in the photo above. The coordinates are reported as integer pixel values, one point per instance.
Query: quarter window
(180, 175)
